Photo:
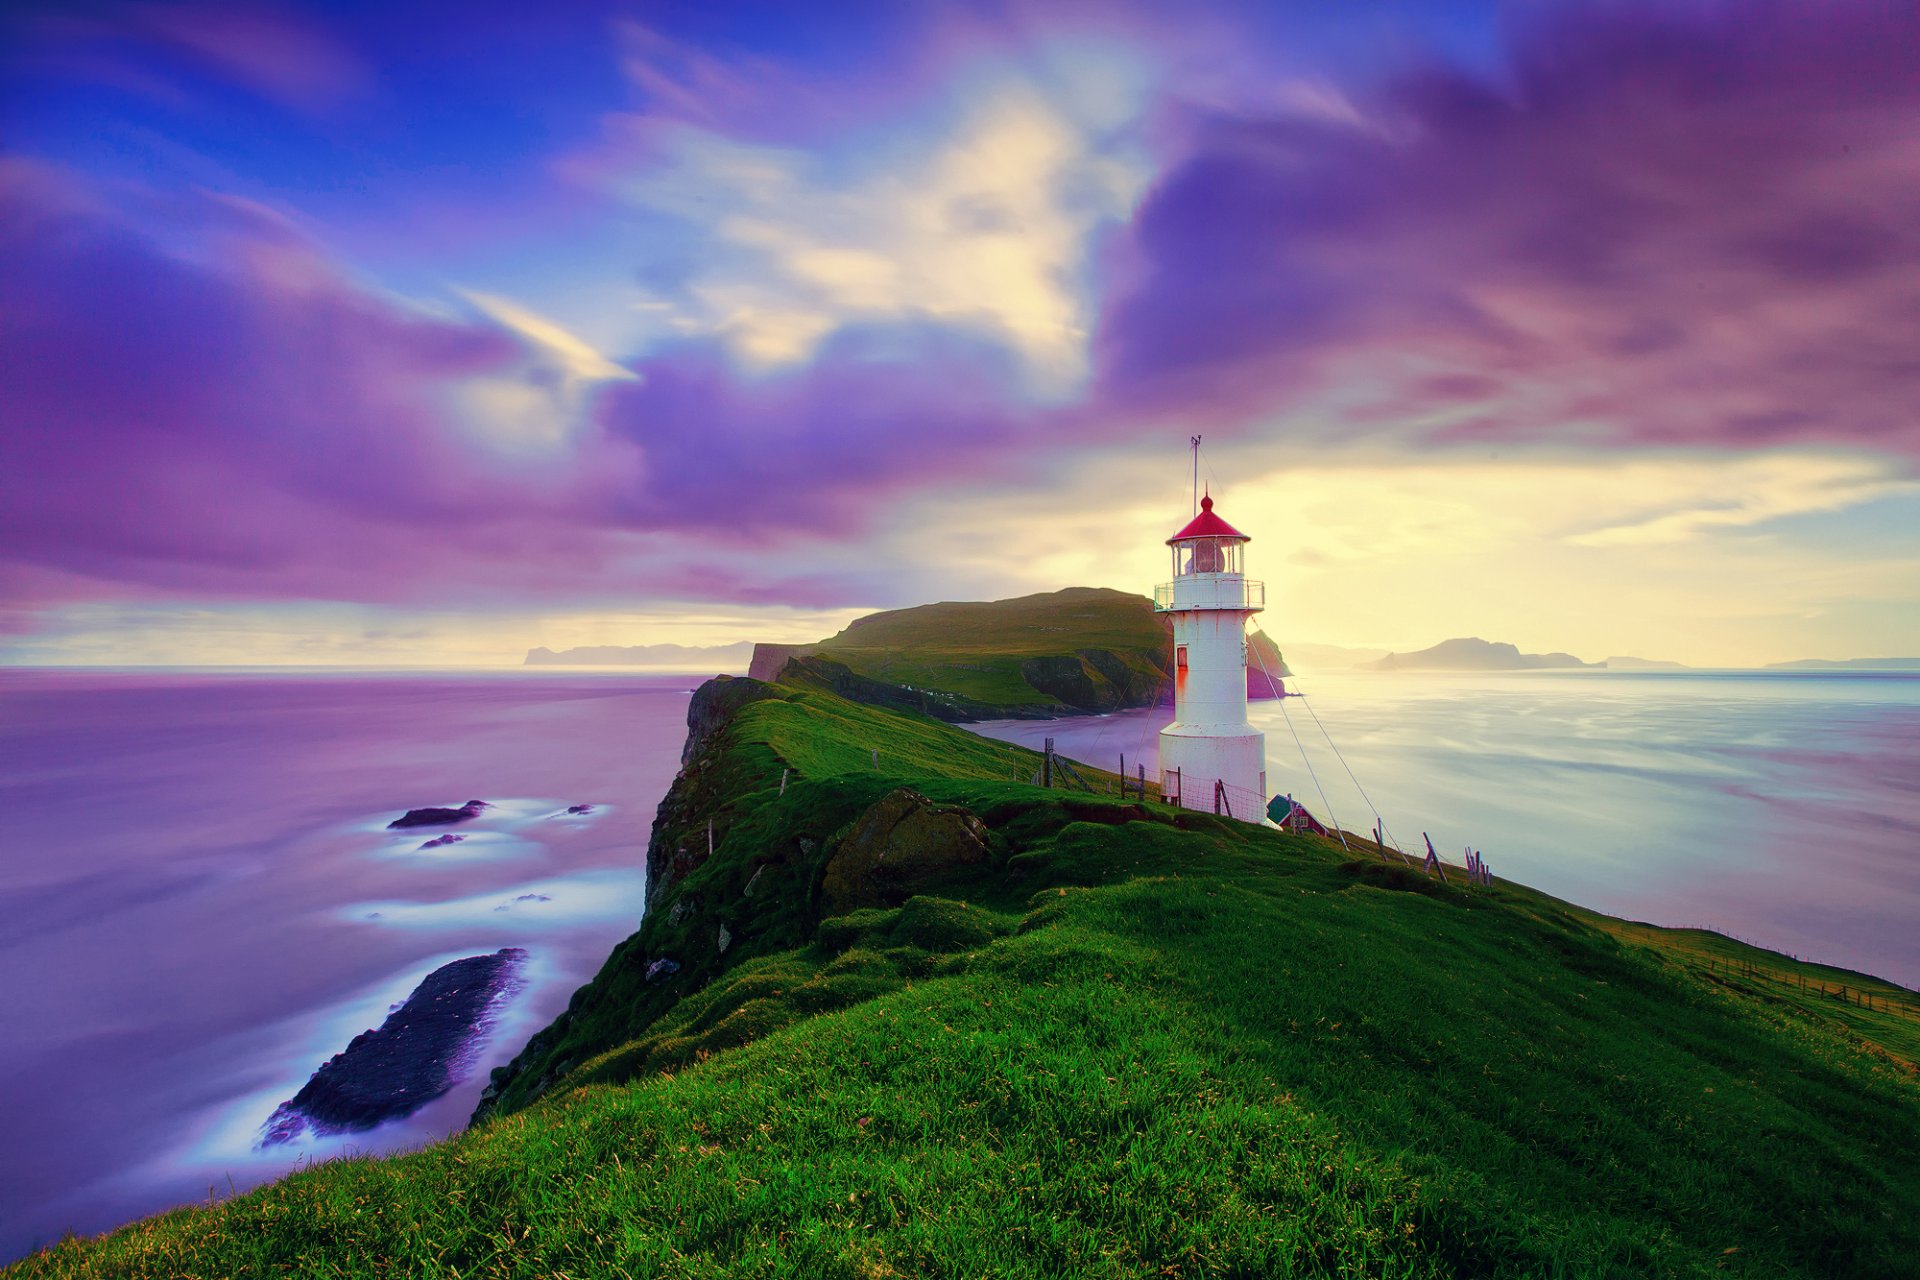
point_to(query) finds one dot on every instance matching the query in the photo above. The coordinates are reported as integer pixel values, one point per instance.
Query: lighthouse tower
(1210, 756)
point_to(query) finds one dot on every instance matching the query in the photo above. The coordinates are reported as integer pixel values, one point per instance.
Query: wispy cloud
(980, 212)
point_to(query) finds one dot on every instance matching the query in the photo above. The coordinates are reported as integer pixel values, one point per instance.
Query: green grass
(1136, 1044)
(976, 649)
(1097, 650)
(1027, 626)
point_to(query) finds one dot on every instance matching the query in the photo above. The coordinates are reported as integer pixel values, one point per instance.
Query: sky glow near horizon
(350, 333)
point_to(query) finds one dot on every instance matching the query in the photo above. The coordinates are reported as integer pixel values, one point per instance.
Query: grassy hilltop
(1082, 649)
(929, 1020)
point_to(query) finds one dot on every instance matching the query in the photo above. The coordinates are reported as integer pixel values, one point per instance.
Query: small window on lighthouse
(1180, 657)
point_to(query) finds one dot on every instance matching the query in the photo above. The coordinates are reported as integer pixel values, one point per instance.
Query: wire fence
(1211, 795)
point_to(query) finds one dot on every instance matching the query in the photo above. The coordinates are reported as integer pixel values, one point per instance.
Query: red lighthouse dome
(1208, 525)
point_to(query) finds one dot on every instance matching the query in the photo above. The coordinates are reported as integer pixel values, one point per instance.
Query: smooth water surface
(200, 902)
(1783, 808)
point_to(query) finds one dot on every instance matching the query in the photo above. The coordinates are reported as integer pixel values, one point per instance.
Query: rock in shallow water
(438, 817)
(422, 1050)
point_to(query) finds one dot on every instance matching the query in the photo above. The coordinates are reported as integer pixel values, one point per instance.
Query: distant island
(729, 658)
(1847, 664)
(1474, 654)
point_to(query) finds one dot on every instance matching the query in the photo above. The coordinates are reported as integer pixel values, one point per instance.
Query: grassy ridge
(980, 650)
(1135, 1043)
(1083, 649)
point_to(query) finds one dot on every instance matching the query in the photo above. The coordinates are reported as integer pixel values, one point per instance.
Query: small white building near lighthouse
(1210, 757)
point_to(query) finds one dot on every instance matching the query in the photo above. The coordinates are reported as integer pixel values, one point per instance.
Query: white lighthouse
(1210, 757)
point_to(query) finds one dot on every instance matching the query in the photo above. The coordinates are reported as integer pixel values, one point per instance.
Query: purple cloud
(234, 419)
(824, 448)
(1660, 229)
(169, 422)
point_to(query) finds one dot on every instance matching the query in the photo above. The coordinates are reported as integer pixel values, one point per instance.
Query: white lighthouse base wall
(1192, 761)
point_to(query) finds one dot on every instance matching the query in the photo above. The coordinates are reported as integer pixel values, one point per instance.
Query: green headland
(915, 1016)
(1074, 651)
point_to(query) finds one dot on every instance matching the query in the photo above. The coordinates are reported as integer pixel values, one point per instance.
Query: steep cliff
(772, 780)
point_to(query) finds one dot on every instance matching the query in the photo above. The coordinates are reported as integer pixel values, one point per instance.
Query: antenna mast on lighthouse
(1196, 475)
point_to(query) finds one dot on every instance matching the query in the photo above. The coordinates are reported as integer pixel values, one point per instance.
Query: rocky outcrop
(1265, 667)
(902, 845)
(678, 843)
(768, 659)
(438, 817)
(712, 705)
(422, 1050)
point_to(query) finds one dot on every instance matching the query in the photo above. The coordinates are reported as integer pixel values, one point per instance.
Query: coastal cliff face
(736, 867)
(769, 659)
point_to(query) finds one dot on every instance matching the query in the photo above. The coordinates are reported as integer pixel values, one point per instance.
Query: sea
(200, 901)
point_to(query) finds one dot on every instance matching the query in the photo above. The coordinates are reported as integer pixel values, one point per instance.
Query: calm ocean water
(199, 902)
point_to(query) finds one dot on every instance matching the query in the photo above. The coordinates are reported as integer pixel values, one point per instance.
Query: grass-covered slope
(1120, 1041)
(1082, 649)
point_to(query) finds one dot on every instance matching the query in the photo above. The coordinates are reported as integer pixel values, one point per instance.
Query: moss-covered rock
(903, 844)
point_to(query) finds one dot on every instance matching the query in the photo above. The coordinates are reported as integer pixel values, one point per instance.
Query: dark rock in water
(579, 808)
(438, 817)
(441, 842)
(662, 968)
(422, 1050)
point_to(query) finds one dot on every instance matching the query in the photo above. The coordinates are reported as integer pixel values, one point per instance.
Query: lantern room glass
(1206, 555)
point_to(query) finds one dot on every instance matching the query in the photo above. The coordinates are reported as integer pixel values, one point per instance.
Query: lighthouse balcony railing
(1210, 591)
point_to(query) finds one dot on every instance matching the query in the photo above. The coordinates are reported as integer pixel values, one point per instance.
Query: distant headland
(1474, 654)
